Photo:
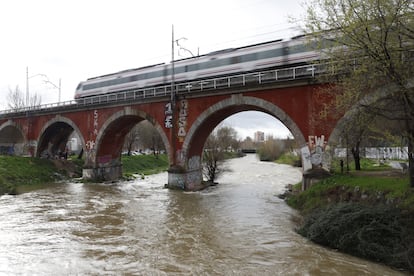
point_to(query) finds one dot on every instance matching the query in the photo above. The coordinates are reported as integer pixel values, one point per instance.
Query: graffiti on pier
(314, 155)
(182, 120)
(91, 143)
(316, 146)
(194, 163)
(194, 179)
(168, 112)
(180, 157)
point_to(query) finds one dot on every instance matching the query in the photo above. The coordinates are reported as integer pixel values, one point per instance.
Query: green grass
(17, 171)
(289, 159)
(348, 187)
(366, 165)
(374, 181)
(20, 172)
(144, 164)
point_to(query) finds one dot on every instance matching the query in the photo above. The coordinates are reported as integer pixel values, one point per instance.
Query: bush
(380, 233)
(270, 150)
(290, 158)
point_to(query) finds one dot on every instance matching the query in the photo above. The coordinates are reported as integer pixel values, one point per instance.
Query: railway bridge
(184, 114)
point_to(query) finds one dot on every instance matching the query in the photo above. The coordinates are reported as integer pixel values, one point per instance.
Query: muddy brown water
(239, 227)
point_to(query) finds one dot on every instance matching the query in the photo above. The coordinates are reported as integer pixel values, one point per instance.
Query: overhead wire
(255, 35)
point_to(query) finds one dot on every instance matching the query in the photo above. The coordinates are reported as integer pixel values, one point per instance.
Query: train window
(126, 79)
(225, 61)
(248, 57)
(154, 74)
(270, 53)
(203, 65)
(88, 86)
(298, 49)
(150, 75)
(234, 60)
(218, 62)
(212, 63)
(193, 67)
(158, 74)
(179, 70)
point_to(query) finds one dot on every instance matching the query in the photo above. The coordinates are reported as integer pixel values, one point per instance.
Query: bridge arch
(209, 119)
(12, 138)
(104, 158)
(190, 157)
(381, 93)
(54, 136)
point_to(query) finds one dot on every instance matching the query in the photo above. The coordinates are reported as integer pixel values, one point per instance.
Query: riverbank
(18, 171)
(144, 164)
(368, 214)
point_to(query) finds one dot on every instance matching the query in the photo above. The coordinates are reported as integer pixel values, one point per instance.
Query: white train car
(268, 55)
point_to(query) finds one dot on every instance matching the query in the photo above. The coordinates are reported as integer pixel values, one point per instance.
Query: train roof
(229, 50)
(126, 71)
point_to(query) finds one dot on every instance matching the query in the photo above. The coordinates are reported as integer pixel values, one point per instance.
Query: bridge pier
(103, 173)
(187, 180)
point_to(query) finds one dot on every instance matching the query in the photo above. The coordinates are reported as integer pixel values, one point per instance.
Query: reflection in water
(239, 227)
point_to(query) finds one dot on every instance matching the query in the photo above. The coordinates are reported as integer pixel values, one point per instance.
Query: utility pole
(172, 69)
(173, 102)
(46, 80)
(27, 86)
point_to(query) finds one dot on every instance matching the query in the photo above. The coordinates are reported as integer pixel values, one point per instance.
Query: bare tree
(372, 44)
(131, 140)
(144, 136)
(16, 99)
(149, 137)
(213, 158)
(218, 142)
(227, 138)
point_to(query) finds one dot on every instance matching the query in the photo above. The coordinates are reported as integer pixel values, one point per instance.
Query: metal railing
(197, 86)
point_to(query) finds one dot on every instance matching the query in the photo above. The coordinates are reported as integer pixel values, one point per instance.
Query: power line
(242, 40)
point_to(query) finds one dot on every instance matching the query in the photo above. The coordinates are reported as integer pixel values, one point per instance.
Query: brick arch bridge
(102, 126)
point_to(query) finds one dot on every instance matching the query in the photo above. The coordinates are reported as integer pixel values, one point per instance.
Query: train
(267, 55)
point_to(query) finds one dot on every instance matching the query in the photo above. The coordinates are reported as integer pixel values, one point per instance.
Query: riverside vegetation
(17, 172)
(368, 214)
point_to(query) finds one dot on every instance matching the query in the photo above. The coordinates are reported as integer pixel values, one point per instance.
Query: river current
(239, 227)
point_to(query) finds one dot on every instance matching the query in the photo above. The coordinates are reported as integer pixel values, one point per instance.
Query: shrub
(380, 233)
(270, 150)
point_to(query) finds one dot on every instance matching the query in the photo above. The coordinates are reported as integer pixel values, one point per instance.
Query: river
(239, 227)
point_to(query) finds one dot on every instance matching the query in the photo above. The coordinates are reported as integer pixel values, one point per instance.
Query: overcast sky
(78, 39)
